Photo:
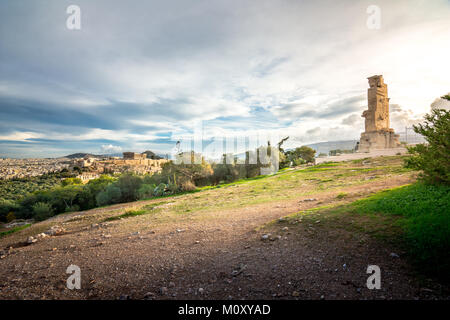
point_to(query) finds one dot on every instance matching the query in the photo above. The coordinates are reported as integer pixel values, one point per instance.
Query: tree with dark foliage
(433, 157)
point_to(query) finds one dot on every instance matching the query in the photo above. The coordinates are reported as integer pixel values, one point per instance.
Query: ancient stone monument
(377, 134)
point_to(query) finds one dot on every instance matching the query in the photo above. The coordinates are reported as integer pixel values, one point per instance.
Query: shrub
(7, 206)
(10, 217)
(71, 181)
(129, 184)
(341, 195)
(187, 186)
(146, 191)
(111, 195)
(73, 208)
(433, 158)
(159, 190)
(42, 211)
(300, 155)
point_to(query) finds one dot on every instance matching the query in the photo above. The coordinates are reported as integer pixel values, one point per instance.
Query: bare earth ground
(208, 245)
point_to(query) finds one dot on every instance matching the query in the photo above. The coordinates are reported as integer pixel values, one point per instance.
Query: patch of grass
(341, 195)
(425, 212)
(357, 161)
(414, 217)
(5, 233)
(133, 213)
(327, 164)
(318, 169)
(128, 214)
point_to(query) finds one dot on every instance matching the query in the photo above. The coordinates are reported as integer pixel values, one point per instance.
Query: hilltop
(260, 238)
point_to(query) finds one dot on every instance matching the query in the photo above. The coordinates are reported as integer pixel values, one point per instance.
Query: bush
(71, 181)
(112, 194)
(10, 217)
(187, 186)
(73, 208)
(146, 191)
(300, 155)
(7, 206)
(159, 190)
(129, 184)
(42, 211)
(433, 158)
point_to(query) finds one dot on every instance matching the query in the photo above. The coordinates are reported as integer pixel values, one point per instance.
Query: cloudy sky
(138, 74)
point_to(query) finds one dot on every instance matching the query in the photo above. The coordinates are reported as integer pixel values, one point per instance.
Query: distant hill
(325, 147)
(151, 155)
(82, 155)
(90, 155)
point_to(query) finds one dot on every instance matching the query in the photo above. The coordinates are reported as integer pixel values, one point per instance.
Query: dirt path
(217, 255)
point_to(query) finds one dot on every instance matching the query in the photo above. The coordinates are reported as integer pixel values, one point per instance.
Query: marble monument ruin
(377, 134)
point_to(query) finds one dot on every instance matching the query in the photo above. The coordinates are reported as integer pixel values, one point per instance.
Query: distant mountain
(325, 147)
(81, 155)
(90, 155)
(151, 155)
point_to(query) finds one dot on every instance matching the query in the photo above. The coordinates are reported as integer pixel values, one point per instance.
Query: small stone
(201, 290)
(265, 236)
(295, 294)
(55, 230)
(163, 290)
(149, 295)
(394, 255)
(197, 242)
(31, 240)
(171, 284)
(106, 236)
(322, 297)
(285, 229)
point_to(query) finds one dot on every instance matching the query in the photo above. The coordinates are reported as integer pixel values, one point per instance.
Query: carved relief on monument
(377, 133)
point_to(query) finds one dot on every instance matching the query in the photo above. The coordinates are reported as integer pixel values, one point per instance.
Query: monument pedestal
(375, 140)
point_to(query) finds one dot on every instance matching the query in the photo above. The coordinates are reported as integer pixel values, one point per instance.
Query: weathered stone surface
(377, 133)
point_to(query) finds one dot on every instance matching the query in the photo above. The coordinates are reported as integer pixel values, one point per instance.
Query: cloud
(440, 103)
(133, 75)
(109, 148)
(352, 120)
(325, 109)
(401, 117)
